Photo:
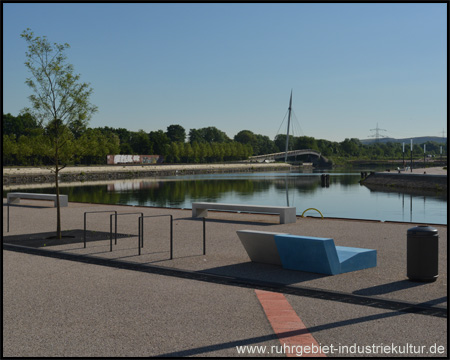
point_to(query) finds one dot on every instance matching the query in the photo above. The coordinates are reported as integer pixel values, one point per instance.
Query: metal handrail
(140, 229)
(110, 227)
(91, 212)
(141, 232)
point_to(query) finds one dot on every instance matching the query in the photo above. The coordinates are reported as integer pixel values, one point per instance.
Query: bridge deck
(280, 155)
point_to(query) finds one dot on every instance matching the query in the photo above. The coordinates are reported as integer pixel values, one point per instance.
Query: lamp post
(403, 155)
(411, 153)
(441, 153)
(424, 150)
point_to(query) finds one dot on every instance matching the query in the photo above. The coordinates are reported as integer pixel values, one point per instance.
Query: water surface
(343, 198)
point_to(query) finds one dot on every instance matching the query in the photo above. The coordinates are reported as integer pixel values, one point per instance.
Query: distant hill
(416, 140)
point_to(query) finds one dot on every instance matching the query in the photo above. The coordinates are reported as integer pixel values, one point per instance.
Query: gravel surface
(61, 308)
(55, 307)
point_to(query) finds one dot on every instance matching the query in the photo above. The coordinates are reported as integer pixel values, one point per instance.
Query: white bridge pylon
(281, 155)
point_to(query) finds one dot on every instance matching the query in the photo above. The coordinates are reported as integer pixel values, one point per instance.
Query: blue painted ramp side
(353, 259)
(311, 254)
(320, 255)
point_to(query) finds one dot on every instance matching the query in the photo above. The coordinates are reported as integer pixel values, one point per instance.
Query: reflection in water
(344, 198)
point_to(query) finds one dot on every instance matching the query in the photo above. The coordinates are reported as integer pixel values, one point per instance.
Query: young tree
(264, 145)
(59, 100)
(176, 133)
(93, 146)
(212, 134)
(280, 142)
(141, 143)
(196, 157)
(195, 136)
(305, 142)
(9, 149)
(23, 124)
(159, 140)
(247, 137)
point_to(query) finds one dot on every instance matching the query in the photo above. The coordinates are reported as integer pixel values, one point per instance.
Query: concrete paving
(436, 170)
(56, 307)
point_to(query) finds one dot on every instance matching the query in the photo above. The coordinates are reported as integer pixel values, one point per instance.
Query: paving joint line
(329, 295)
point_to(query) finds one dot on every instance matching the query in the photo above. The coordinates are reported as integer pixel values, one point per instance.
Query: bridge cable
(297, 123)
(278, 131)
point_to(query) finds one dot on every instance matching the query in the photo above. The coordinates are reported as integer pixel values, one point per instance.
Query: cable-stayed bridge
(288, 154)
(281, 155)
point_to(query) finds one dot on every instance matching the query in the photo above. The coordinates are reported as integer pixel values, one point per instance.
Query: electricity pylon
(377, 135)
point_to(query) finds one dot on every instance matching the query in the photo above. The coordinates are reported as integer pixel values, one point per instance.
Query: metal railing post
(141, 223)
(204, 236)
(110, 231)
(142, 230)
(171, 237)
(115, 228)
(84, 232)
(139, 229)
(140, 233)
(110, 222)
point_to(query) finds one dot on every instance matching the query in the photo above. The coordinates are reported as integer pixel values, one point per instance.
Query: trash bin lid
(423, 230)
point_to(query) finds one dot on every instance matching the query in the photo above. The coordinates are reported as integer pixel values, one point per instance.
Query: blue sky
(233, 66)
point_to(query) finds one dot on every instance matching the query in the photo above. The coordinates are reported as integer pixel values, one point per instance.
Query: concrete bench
(305, 253)
(260, 246)
(287, 213)
(14, 198)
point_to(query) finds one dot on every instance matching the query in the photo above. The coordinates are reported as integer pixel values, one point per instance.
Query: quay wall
(408, 181)
(16, 176)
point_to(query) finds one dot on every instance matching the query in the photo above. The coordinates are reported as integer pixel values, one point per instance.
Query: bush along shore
(28, 175)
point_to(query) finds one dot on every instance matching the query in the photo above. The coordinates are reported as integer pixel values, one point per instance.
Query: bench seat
(14, 198)
(305, 253)
(260, 246)
(287, 213)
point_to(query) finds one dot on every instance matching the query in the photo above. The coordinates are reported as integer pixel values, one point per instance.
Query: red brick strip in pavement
(284, 320)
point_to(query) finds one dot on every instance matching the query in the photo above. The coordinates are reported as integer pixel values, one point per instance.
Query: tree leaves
(58, 94)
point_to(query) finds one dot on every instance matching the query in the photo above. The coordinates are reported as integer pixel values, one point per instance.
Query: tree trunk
(58, 208)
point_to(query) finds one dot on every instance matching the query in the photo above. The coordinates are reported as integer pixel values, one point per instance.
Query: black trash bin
(422, 253)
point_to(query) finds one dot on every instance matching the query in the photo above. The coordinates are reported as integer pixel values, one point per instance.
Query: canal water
(344, 197)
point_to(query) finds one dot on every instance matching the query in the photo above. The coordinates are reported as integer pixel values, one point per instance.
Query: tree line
(26, 142)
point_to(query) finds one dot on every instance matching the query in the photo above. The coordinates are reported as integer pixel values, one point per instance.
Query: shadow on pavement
(68, 237)
(264, 272)
(388, 288)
